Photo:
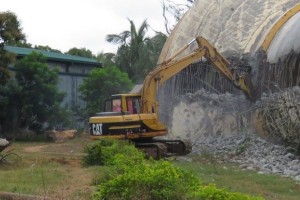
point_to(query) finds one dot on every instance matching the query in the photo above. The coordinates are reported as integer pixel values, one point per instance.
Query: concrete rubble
(3, 142)
(252, 153)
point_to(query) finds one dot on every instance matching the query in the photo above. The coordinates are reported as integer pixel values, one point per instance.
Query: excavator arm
(171, 67)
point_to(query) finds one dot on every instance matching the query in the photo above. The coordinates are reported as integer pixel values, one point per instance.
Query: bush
(109, 152)
(210, 192)
(94, 153)
(132, 177)
(149, 180)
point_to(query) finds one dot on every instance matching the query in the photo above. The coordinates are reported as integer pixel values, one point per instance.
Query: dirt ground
(66, 157)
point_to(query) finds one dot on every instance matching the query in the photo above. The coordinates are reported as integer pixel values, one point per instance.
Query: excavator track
(159, 148)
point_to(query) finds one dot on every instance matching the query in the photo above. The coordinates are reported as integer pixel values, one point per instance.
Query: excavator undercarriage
(159, 148)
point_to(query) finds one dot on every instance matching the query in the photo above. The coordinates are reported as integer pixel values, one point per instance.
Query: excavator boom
(171, 67)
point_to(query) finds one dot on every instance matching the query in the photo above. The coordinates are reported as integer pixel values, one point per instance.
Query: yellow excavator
(135, 116)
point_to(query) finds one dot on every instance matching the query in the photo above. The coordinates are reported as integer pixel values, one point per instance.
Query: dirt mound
(61, 136)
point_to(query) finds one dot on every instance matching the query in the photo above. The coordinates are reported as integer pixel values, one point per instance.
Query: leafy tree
(137, 53)
(83, 52)
(148, 56)
(10, 30)
(9, 101)
(39, 95)
(10, 33)
(100, 84)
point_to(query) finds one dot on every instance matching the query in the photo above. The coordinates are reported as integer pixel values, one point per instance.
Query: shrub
(132, 177)
(109, 152)
(149, 180)
(210, 192)
(94, 153)
(122, 154)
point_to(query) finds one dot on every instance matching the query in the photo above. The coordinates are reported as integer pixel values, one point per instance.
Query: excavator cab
(120, 117)
(123, 103)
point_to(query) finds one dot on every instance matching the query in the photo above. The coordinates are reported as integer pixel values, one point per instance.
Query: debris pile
(252, 153)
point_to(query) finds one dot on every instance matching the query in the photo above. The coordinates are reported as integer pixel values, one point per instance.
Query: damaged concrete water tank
(233, 26)
(262, 36)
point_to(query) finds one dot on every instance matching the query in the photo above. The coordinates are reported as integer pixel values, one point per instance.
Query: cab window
(133, 105)
(116, 103)
(108, 105)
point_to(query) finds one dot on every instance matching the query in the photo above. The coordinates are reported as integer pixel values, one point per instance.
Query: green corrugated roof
(21, 51)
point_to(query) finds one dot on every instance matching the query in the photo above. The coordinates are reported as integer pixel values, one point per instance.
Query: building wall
(70, 83)
(70, 78)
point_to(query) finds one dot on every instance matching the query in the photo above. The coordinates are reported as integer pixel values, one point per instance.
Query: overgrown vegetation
(134, 177)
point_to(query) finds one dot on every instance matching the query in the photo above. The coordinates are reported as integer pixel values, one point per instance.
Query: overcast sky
(64, 24)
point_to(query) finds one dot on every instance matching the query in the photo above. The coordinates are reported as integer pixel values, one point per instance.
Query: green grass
(35, 179)
(234, 179)
(48, 169)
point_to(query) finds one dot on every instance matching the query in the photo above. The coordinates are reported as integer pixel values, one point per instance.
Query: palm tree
(137, 53)
(130, 43)
(129, 37)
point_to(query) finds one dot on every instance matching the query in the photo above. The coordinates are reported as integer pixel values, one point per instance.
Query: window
(108, 105)
(116, 105)
(133, 105)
